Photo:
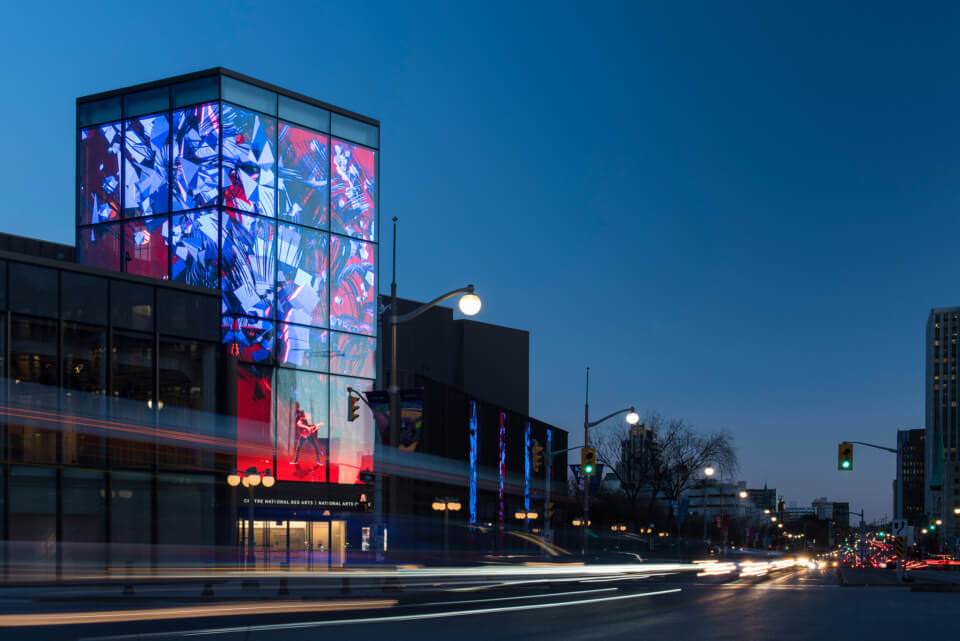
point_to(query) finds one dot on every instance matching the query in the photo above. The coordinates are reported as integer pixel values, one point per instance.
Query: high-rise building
(908, 490)
(221, 181)
(942, 463)
(636, 453)
(765, 499)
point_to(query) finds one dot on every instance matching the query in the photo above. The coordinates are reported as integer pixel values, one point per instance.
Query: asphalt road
(801, 604)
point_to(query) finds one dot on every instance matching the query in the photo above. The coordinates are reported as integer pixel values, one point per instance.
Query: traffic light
(845, 457)
(588, 461)
(537, 456)
(353, 406)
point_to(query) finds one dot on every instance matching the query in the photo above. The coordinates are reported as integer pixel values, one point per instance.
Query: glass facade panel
(304, 114)
(355, 130)
(194, 240)
(146, 168)
(196, 147)
(353, 355)
(304, 176)
(33, 290)
(185, 507)
(302, 288)
(131, 519)
(84, 371)
(131, 306)
(146, 249)
(248, 264)
(303, 347)
(302, 426)
(196, 91)
(186, 314)
(353, 188)
(33, 371)
(91, 113)
(248, 95)
(100, 246)
(32, 524)
(188, 371)
(254, 417)
(146, 102)
(84, 524)
(100, 173)
(83, 298)
(351, 444)
(248, 339)
(132, 365)
(353, 300)
(249, 159)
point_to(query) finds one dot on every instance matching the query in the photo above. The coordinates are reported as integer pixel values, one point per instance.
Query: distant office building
(942, 469)
(765, 499)
(908, 491)
(834, 511)
(713, 497)
(636, 453)
(795, 512)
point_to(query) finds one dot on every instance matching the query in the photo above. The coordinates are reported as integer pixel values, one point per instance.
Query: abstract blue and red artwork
(146, 166)
(194, 247)
(353, 355)
(196, 153)
(304, 172)
(247, 264)
(100, 246)
(303, 347)
(248, 339)
(145, 247)
(353, 299)
(249, 175)
(353, 190)
(100, 173)
(302, 287)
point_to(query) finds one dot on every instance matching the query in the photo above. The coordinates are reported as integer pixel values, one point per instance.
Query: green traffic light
(588, 469)
(845, 465)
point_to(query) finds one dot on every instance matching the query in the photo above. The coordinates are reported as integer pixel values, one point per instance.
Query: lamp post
(250, 478)
(469, 305)
(446, 505)
(708, 472)
(632, 419)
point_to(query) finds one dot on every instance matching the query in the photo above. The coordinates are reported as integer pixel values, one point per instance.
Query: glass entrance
(297, 544)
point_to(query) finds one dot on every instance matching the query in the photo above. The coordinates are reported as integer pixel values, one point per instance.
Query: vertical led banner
(503, 461)
(473, 461)
(526, 468)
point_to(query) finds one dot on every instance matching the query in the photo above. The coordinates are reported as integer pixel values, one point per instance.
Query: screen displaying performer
(302, 430)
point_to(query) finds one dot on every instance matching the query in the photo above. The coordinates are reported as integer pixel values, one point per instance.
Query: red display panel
(302, 426)
(254, 403)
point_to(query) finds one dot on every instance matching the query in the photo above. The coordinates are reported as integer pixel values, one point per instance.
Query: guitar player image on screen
(306, 434)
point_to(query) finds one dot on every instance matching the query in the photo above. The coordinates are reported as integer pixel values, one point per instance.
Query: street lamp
(743, 494)
(956, 511)
(250, 478)
(469, 305)
(708, 472)
(446, 505)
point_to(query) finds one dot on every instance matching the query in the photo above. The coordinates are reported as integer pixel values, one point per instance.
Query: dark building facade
(911, 474)
(942, 461)
(111, 439)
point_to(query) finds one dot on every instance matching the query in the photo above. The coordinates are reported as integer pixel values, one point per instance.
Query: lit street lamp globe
(708, 471)
(743, 494)
(268, 481)
(633, 418)
(469, 304)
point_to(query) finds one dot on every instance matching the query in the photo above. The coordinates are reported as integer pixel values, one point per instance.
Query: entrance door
(297, 544)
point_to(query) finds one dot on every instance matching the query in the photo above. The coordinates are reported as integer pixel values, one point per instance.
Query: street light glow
(268, 481)
(709, 471)
(233, 480)
(743, 494)
(633, 418)
(470, 304)
(253, 479)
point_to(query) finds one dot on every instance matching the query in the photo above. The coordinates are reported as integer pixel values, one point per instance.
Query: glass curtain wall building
(221, 181)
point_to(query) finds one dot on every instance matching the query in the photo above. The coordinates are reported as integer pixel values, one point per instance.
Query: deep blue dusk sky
(739, 214)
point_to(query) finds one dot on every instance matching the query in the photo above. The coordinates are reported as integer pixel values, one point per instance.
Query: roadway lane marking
(183, 612)
(514, 598)
(384, 619)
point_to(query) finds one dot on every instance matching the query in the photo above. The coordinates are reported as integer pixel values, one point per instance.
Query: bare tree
(676, 456)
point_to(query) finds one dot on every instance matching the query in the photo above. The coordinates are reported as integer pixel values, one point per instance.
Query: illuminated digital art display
(271, 200)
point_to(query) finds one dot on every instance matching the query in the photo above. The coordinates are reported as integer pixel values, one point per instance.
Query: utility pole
(586, 479)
